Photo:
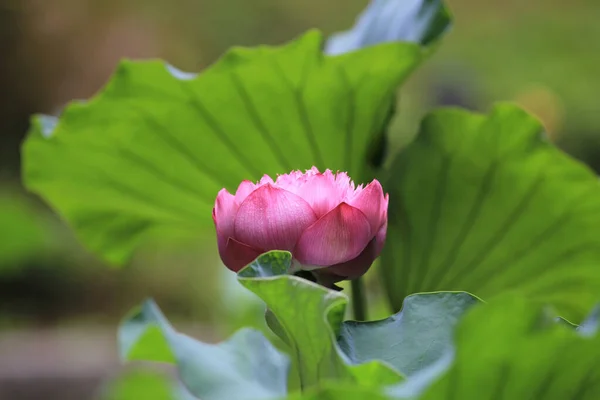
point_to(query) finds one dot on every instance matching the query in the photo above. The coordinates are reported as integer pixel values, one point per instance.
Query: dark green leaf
(308, 318)
(418, 21)
(485, 204)
(510, 349)
(247, 366)
(412, 339)
(145, 158)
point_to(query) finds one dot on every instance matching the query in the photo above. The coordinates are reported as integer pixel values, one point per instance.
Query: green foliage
(510, 349)
(23, 236)
(412, 339)
(247, 366)
(308, 318)
(136, 385)
(485, 204)
(140, 338)
(340, 392)
(145, 158)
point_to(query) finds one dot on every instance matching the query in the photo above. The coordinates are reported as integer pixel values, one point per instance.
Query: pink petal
(344, 183)
(384, 208)
(272, 219)
(372, 203)
(237, 255)
(321, 193)
(224, 216)
(356, 267)
(339, 236)
(265, 179)
(380, 238)
(243, 190)
(293, 181)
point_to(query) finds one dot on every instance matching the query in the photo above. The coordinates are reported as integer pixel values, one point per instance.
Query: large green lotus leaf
(145, 158)
(512, 349)
(308, 318)
(418, 21)
(245, 367)
(484, 204)
(411, 340)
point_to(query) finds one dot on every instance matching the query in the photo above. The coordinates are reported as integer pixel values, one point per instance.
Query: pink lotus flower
(331, 227)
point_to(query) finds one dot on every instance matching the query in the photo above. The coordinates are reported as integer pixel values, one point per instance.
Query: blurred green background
(59, 306)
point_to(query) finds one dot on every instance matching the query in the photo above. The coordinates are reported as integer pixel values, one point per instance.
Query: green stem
(359, 303)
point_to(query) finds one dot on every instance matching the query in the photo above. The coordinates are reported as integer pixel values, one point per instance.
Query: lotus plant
(332, 227)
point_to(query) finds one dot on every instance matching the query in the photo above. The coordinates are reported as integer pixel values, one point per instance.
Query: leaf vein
(258, 123)
(434, 217)
(195, 102)
(498, 236)
(467, 226)
(301, 108)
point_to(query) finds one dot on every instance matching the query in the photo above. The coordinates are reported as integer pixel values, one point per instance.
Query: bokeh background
(60, 305)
